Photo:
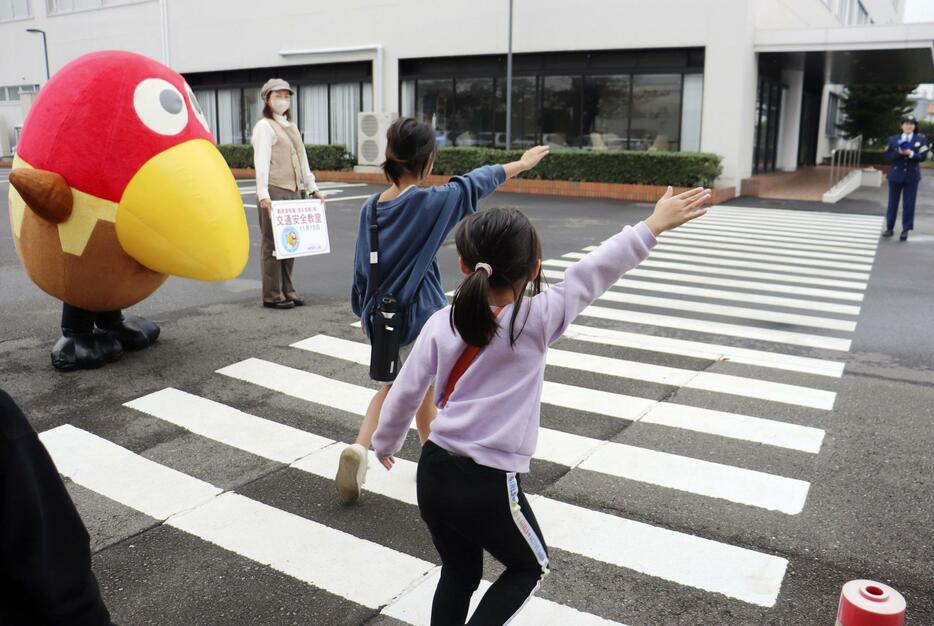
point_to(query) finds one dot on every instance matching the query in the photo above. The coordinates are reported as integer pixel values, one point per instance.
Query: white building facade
(746, 79)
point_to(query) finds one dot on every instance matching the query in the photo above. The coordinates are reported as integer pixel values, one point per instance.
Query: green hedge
(681, 169)
(320, 157)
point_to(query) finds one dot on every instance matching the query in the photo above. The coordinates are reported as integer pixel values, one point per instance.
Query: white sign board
(300, 228)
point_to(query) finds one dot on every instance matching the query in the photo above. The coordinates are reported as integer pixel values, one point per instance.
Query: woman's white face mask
(280, 105)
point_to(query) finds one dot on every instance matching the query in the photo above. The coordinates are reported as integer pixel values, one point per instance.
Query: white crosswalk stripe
(771, 244)
(736, 572)
(357, 569)
(792, 281)
(793, 232)
(732, 272)
(798, 217)
(756, 285)
(700, 258)
(736, 385)
(809, 255)
(718, 328)
(701, 350)
(678, 304)
(722, 294)
(800, 221)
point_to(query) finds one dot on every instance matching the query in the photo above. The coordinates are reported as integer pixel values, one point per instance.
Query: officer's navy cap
(909, 118)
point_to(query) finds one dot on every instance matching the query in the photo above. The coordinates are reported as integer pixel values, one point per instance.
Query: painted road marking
(715, 480)
(740, 225)
(682, 277)
(718, 328)
(629, 283)
(735, 426)
(693, 264)
(357, 569)
(685, 559)
(776, 244)
(359, 353)
(701, 350)
(746, 313)
(791, 263)
(811, 255)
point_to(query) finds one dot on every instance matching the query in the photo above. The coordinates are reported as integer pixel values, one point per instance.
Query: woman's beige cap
(274, 84)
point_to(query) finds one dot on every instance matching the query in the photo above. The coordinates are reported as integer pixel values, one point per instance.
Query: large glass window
(345, 104)
(525, 107)
(14, 10)
(473, 119)
(691, 109)
(253, 106)
(314, 117)
(407, 98)
(561, 111)
(367, 90)
(656, 112)
(11, 93)
(434, 104)
(67, 6)
(768, 110)
(606, 112)
(208, 104)
(229, 123)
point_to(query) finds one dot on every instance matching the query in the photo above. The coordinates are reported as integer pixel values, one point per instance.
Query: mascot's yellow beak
(182, 214)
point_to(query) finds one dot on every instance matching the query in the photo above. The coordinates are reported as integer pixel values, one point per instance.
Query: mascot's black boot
(133, 332)
(81, 347)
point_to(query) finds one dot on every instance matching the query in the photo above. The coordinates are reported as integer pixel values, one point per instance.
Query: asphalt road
(701, 490)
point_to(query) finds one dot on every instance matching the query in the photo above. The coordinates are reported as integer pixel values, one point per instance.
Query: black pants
(470, 508)
(909, 193)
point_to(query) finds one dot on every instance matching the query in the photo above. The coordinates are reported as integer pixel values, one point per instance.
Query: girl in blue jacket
(413, 222)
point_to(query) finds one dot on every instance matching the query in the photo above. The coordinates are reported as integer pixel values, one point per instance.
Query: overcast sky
(919, 11)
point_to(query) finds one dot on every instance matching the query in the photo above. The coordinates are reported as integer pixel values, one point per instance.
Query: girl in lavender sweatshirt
(486, 352)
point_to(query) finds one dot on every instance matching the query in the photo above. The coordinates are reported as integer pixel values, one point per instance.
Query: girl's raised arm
(589, 278)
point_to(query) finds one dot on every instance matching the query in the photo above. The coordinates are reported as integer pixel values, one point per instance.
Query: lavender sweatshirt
(493, 414)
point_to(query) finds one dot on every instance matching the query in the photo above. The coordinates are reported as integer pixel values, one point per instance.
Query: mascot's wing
(46, 193)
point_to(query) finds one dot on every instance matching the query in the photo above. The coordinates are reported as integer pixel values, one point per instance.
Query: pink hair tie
(484, 266)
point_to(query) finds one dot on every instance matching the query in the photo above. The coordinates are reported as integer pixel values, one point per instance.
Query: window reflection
(435, 105)
(473, 119)
(606, 112)
(593, 112)
(561, 114)
(656, 112)
(524, 112)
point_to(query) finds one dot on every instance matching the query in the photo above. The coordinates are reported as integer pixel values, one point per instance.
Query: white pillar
(791, 119)
(730, 79)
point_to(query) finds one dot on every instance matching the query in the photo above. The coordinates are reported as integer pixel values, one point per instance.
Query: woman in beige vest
(282, 173)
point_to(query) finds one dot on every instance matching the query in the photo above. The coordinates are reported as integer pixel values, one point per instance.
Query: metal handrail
(844, 158)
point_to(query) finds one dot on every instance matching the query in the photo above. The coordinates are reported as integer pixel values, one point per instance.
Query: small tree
(874, 110)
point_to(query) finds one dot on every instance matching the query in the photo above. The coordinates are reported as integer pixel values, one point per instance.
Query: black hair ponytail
(506, 241)
(471, 313)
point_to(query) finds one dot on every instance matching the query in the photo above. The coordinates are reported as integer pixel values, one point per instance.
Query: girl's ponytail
(470, 311)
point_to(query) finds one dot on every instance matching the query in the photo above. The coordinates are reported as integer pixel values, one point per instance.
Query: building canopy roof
(891, 53)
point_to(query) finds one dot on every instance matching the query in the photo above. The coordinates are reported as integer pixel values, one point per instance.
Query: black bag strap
(373, 282)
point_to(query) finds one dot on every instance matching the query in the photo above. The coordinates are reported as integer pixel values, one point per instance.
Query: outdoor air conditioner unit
(371, 137)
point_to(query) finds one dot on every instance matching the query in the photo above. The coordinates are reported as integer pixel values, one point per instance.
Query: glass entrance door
(768, 116)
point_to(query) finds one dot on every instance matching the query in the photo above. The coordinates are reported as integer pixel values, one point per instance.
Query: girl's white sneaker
(351, 473)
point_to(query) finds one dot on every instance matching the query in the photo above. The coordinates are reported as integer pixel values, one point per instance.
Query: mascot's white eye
(160, 106)
(196, 107)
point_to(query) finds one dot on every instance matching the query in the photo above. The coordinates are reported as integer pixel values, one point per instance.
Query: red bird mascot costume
(115, 186)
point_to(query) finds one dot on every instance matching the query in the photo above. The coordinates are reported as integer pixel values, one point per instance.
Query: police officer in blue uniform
(905, 153)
